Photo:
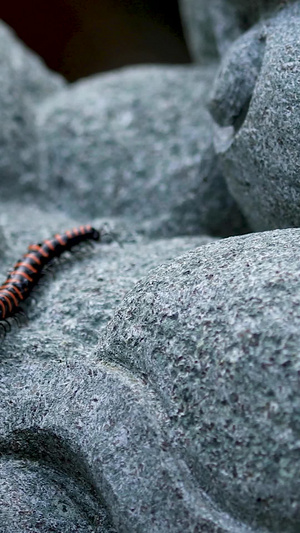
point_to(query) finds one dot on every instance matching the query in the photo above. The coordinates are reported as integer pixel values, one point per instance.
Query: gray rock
(137, 143)
(211, 27)
(82, 443)
(73, 305)
(260, 119)
(34, 496)
(215, 335)
(186, 415)
(34, 79)
(24, 81)
(84, 446)
(231, 96)
(18, 146)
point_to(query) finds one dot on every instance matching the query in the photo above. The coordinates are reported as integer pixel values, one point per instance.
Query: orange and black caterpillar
(27, 272)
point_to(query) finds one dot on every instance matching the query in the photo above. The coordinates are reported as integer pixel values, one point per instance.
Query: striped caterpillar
(27, 272)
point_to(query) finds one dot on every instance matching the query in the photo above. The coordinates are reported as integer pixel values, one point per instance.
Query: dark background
(80, 37)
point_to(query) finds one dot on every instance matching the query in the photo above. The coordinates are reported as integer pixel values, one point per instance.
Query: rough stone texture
(83, 444)
(98, 432)
(259, 148)
(36, 496)
(211, 27)
(144, 152)
(24, 81)
(72, 308)
(53, 436)
(174, 406)
(215, 334)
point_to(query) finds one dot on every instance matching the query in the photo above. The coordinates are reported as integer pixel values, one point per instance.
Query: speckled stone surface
(216, 335)
(84, 444)
(71, 309)
(38, 496)
(155, 388)
(185, 416)
(116, 152)
(98, 433)
(259, 147)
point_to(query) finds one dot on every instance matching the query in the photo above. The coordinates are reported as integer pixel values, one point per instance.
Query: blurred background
(80, 37)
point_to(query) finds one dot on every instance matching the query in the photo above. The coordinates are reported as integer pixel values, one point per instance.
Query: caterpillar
(28, 270)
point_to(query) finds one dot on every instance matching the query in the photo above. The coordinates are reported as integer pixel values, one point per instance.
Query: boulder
(137, 143)
(24, 82)
(255, 106)
(215, 335)
(211, 27)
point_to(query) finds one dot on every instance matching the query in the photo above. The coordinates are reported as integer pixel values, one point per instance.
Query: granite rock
(34, 79)
(24, 81)
(211, 27)
(164, 400)
(36, 496)
(84, 446)
(215, 334)
(82, 443)
(137, 143)
(236, 80)
(78, 296)
(258, 120)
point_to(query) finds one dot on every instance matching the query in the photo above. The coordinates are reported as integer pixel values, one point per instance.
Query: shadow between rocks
(48, 456)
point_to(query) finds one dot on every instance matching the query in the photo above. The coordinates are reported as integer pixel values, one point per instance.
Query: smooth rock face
(82, 439)
(259, 149)
(230, 98)
(24, 81)
(215, 334)
(144, 152)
